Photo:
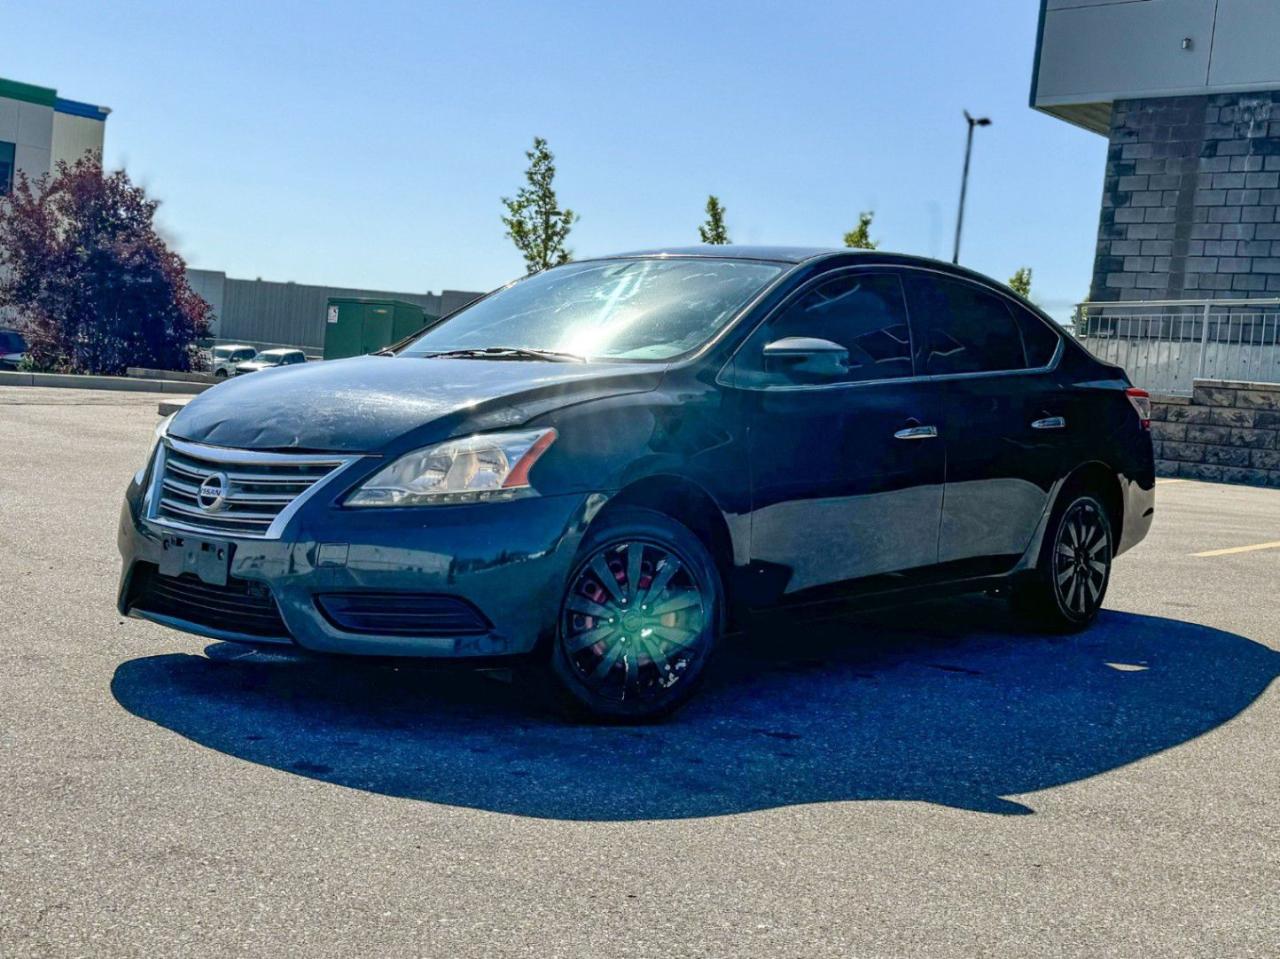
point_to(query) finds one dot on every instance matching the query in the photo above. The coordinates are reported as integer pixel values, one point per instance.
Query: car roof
(732, 251)
(796, 255)
(280, 351)
(232, 346)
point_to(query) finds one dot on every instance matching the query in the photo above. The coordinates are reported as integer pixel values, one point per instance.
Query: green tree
(859, 238)
(714, 231)
(534, 221)
(95, 286)
(1020, 282)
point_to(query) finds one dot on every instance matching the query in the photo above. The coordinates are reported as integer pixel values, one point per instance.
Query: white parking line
(1239, 549)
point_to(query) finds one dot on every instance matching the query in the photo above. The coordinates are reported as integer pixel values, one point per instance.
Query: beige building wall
(75, 136)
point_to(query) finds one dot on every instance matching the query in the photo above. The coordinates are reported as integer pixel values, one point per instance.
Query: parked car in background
(224, 358)
(13, 349)
(594, 469)
(269, 358)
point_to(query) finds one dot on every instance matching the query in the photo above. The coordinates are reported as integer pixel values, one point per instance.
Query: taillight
(1141, 401)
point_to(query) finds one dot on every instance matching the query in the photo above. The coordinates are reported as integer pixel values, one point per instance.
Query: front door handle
(917, 433)
(1050, 423)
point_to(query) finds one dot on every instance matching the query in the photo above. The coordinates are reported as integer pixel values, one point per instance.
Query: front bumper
(509, 560)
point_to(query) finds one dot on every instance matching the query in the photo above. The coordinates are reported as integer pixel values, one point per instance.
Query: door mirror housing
(806, 359)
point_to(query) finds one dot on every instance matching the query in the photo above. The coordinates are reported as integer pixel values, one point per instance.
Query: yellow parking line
(1239, 549)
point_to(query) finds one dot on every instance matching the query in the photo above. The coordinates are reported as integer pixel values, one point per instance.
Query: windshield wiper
(508, 353)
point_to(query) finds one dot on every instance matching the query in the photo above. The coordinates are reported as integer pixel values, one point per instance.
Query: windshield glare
(643, 309)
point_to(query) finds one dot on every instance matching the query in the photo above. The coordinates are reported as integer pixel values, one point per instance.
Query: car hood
(368, 403)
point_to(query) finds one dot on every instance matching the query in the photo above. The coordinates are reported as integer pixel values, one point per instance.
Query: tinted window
(6, 168)
(963, 328)
(1038, 338)
(864, 313)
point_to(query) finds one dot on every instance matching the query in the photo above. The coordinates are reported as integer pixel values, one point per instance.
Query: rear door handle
(917, 433)
(1050, 423)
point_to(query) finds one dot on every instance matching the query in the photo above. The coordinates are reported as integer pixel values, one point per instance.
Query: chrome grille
(259, 490)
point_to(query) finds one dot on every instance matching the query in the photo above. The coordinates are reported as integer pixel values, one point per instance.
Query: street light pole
(964, 179)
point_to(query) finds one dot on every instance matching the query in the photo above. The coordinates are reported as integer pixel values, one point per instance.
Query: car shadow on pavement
(945, 703)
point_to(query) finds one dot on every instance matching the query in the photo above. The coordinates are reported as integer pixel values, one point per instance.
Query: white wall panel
(33, 161)
(73, 136)
(8, 120)
(1246, 47)
(1124, 50)
(35, 125)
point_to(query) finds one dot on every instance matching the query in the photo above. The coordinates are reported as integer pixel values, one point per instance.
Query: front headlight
(486, 466)
(140, 477)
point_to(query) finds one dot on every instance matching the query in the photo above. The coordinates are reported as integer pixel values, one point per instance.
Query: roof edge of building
(75, 108)
(27, 92)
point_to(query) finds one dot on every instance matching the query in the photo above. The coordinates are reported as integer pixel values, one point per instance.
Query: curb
(121, 383)
(169, 407)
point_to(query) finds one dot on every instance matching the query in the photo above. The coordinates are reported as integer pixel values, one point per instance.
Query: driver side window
(864, 313)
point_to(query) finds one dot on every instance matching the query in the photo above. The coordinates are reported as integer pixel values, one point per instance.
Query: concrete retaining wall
(1226, 431)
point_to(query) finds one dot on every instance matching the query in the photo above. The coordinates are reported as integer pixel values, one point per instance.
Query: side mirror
(806, 359)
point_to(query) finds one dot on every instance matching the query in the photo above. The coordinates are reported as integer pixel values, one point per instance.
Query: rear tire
(1066, 590)
(640, 617)
(220, 374)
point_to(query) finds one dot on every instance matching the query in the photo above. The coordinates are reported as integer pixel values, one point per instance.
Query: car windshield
(271, 359)
(222, 352)
(642, 309)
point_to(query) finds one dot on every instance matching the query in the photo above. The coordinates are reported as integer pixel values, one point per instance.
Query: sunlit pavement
(925, 782)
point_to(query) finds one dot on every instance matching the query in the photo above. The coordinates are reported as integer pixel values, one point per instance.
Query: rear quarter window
(1038, 339)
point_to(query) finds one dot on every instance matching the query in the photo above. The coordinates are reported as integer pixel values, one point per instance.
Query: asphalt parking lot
(929, 782)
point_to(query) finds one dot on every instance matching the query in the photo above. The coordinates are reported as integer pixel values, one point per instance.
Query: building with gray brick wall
(1189, 199)
(1188, 94)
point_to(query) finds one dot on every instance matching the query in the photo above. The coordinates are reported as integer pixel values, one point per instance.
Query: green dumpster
(355, 326)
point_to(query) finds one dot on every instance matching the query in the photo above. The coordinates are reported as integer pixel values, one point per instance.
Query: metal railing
(1166, 344)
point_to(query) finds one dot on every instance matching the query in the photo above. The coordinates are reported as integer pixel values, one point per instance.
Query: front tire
(1070, 581)
(220, 374)
(641, 615)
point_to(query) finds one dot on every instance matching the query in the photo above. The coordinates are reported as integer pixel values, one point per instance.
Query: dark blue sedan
(595, 470)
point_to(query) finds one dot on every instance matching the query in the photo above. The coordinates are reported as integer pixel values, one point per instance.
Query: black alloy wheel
(1067, 588)
(639, 618)
(1082, 559)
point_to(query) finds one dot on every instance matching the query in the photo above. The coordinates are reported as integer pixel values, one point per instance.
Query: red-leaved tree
(95, 286)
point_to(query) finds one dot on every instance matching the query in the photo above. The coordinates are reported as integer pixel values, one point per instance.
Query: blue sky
(367, 144)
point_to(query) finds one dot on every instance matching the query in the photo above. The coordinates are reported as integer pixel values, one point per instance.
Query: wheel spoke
(685, 599)
(607, 662)
(635, 554)
(1072, 532)
(580, 604)
(655, 653)
(1095, 589)
(606, 577)
(580, 641)
(1098, 546)
(670, 566)
(680, 638)
(1066, 574)
(1065, 550)
(1099, 568)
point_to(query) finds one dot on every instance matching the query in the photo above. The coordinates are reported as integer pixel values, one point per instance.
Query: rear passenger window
(1038, 338)
(864, 313)
(964, 329)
